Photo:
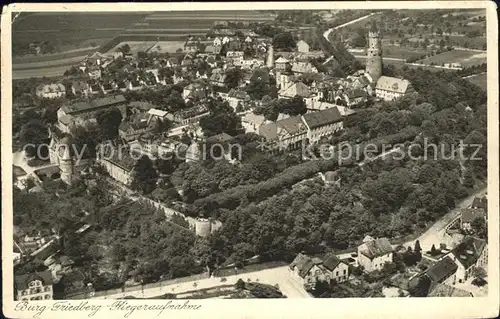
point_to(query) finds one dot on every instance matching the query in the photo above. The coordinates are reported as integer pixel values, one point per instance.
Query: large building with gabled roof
(390, 88)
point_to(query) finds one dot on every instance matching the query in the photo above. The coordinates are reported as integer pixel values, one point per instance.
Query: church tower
(374, 53)
(66, 160)
(270, 57)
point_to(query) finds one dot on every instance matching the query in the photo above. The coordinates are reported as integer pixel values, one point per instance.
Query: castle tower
(65, 160)
(270, 57)
(374, 54)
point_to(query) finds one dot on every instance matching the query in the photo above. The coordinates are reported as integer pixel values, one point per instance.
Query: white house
(374, 253)
(302, 46)
(51, 91)
(34, 286)
(389, 88)
(471, 253)
(309, 270)
(322, 123)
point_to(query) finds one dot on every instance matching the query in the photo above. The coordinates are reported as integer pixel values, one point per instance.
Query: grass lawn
(466, 58)
(392, 51)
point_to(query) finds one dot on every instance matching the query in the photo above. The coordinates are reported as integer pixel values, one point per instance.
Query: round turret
(374, 53)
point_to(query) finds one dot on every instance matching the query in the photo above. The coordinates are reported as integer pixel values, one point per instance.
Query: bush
(479, 282)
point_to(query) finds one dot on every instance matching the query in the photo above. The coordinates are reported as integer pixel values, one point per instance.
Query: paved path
(435, 233)
(279, 275)
(327, 32)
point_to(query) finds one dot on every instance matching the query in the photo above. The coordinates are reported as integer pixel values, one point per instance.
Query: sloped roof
(469, 214)
(281, 60)
(94, 104)
(298, 88)
(291, 124)
(21, 282)
(321, 118)
(444, 290)
(469, 250)
(157, 112)
(303, 263)
(480, 202)
(330, 261)
(388, 83)
(238, 94)
(269, 131)
(220, 138)
(442, 270)
(376, 247)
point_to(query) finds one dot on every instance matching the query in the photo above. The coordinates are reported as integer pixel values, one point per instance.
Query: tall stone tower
(66, 160)
(270, 57)
(374, 53)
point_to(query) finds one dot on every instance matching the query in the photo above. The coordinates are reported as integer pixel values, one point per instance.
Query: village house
(131, 130)
(80, 88)
(302, 46)
(195, 90)
(442, 272)
(107, 88)
(251, 122)
(374, 253)
(282, 64)
(51, 91)
(301, 67)
(322, 123)
(218, 78)
(295, 89)
(237, 97)
(471, 253)
(235, 57)
(34, 286)
(468, 215)
(191, 115)
(389, 88)
(355, 97)
(309, 270)
(88, 109)
(287, 133)
(94, 88)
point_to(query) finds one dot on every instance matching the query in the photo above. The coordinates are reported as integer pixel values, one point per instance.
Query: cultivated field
(466, 58)
(167, 46)
(53, 57)
(135, 46)
(40, 72)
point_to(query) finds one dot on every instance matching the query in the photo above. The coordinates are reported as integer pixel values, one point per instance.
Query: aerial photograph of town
(249, 154)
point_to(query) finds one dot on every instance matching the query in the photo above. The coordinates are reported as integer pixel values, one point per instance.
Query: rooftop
(94, 104)
(442, 270)
(321, 118)
(376, 247)
(388, 83)
(21, 282)
(469, 250)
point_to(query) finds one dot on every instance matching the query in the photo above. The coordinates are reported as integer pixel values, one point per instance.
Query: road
(327, 32)
(435, 233)
(473, 75)
(288, 286)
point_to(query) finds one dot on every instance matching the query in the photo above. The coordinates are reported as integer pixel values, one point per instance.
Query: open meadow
(465, 58)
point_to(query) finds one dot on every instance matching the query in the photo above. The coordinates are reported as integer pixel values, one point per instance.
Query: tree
(233, 78)
(221, 119)
(294, 106)
(175, 102)
(240, 284)
(417, 246)
(434, 251)
(34, 132)
(125, 49)
(480, 228)
(284, 41)
(109, 121)
(145, 175)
